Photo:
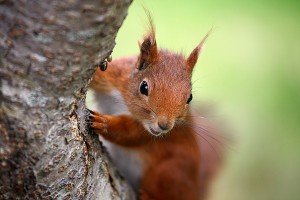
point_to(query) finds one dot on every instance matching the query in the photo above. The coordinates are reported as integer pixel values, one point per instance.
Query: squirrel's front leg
(122, 129)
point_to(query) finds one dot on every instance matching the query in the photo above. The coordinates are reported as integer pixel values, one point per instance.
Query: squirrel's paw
(98, 122)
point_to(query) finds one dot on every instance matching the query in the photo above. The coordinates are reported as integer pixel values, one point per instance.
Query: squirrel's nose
(165, 125)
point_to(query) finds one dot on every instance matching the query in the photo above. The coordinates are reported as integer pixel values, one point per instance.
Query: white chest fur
(127, 161)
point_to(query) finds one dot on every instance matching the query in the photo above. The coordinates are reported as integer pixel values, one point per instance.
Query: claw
(91, 117)
(97, 122)
(92, 112)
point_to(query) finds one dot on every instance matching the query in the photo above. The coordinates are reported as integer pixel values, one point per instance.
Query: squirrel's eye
(190, 99)
(144, 88)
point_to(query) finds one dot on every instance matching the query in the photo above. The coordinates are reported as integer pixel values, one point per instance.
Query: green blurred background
(250, 71)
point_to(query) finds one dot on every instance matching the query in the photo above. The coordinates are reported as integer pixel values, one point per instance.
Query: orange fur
(173, 159)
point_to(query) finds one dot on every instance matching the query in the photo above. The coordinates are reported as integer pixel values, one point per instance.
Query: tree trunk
(48, 52)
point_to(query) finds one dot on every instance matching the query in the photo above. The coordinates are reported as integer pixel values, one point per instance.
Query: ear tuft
(193, 57)
(148, 53)
(148, 48)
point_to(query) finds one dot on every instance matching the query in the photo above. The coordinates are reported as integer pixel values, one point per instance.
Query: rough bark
(48, 52)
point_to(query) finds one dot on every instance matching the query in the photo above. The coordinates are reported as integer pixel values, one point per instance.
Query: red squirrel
(157, 130)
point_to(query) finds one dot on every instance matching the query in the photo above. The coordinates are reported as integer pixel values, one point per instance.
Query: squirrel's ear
(148, 47)
(193, 57)
(148, 51)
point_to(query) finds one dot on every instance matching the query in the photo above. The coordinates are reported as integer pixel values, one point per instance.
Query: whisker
(222, 141)
(147, 107)
(195, 81)
(208, 142)
(212, 134)
(203, 129)
(206, 132)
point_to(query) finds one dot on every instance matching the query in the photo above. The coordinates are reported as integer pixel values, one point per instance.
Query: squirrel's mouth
(156, 133)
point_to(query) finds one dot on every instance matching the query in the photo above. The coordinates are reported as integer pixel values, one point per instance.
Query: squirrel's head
(161, 86)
